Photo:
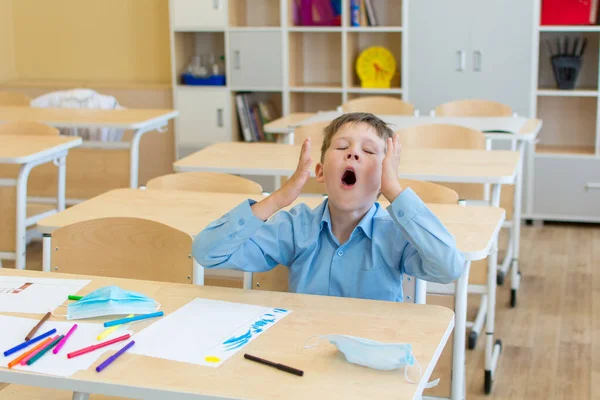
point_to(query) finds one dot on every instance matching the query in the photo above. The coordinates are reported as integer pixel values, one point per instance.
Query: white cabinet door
(439, 44)
(502, 52)
(193, 14)
(255, 59)
(204, 118)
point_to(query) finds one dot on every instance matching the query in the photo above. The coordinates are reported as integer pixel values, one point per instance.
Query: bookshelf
(270, 54)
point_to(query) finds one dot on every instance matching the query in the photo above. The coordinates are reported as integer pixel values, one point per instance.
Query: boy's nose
(351, 155)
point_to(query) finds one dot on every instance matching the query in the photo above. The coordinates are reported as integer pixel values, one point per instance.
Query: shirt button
(401, 213)
(241, 221)
(340, 253)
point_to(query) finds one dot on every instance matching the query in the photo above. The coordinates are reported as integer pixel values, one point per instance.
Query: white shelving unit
(566, 163)
(307, 69)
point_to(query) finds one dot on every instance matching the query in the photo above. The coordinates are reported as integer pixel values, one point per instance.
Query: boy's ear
(319, 173)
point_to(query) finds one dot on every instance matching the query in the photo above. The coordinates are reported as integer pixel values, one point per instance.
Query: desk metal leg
(62, 178)
(46, 252)
(81, 396)
(516, 229)
(460, 313)
(21, 211)
(492, 349)
(134, 160)
(248, 280)
(198, 277)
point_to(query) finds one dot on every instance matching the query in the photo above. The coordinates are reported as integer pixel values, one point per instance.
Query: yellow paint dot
(212, 359)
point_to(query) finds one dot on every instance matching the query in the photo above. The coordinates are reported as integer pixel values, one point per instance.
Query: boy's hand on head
(390, 186)
(293, 187)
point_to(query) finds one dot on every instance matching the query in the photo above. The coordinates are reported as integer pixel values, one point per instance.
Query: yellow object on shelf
(376, 66)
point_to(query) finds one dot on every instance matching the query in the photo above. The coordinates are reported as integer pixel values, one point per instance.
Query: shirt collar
(365, 224)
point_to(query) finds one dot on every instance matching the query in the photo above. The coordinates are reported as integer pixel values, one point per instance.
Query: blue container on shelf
(214, 80)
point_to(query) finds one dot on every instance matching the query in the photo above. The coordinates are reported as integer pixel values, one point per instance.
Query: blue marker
(29, 342)
(137, 318)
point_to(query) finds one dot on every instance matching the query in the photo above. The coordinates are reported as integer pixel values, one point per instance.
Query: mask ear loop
(429, 385)
(158, 305)
(53, 313)
(310, 338)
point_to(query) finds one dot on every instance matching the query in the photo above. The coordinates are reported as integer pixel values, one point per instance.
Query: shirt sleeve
(241, 241)
(431, 252)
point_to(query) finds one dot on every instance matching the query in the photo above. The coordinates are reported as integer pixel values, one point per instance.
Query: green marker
(41, 353)
(73, 297)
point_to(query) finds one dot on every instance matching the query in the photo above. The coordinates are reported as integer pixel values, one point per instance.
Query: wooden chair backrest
(473, 108)
(28, 128)
(379, 105)
(131, 248)
(441, 136)
(205, 182)
(14, 99)
(431, 192)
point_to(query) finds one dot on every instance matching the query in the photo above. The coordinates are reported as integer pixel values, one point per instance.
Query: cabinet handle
(592, 186)
(220, 117)
(461, 60)
(217, 4)
(477, 60)
(236, 59)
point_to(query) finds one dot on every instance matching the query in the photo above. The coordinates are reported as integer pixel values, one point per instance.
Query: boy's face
(351, 168)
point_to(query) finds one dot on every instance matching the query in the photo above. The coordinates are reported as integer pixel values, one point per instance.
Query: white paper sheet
(14, 330)
(20, 294)
(206, 332)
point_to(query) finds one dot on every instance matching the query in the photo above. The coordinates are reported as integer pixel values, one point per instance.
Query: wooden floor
(551, 340)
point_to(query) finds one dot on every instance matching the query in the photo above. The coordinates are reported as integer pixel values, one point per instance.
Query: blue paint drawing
(256, 328)
(280, 310)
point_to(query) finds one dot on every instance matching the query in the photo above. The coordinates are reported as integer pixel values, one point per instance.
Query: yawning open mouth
(349, 177)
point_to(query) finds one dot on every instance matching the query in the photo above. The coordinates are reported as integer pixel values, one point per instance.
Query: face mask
(111, 300)
(377, 355)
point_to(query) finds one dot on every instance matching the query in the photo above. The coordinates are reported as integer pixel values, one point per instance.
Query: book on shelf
(253, 113)
(362, 13)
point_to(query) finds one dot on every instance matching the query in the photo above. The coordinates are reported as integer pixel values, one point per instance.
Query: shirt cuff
(242, 220)
(406, 206)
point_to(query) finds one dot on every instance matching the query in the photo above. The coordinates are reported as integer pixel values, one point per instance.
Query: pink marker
(62, 342)
(24, 361)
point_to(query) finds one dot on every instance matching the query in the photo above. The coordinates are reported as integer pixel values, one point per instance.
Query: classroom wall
(92, 41)
(7, 45)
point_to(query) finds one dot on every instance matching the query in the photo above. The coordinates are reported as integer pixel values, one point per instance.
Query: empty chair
(27, 128)
(14, 99)
(205, 182)
(131, 248)
(441, 136)
(473, 108)
(378, 105)
(313, 131)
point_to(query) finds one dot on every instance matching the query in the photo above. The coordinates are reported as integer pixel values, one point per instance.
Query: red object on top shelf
(568, 12)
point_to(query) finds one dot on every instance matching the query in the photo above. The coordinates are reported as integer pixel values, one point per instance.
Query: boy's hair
(383, 131)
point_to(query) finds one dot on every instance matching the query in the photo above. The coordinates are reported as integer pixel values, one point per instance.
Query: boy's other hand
(390, 186)
(293, 187)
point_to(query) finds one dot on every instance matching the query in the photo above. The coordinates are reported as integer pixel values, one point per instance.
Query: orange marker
(27, 353)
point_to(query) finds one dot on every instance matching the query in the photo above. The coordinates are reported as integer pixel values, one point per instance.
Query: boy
(348, 246)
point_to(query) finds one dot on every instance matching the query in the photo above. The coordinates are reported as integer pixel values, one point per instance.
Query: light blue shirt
(406, 239)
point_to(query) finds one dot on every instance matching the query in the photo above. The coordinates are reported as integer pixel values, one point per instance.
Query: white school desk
(29, 152)
(517, 130)
(139, 120)
(326, 372)
(441, 165)
(475, 229)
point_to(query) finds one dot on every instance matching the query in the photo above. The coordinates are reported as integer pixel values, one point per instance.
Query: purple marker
(62, 342)
(112, 358)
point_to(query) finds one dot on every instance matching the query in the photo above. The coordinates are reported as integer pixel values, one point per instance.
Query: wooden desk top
(77, 117)
(523, 128)
(441, 165)
(20, 149)
(426, 327)
(473, 227)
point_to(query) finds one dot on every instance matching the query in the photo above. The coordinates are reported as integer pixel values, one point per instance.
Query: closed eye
(341, 148)
(368, 151)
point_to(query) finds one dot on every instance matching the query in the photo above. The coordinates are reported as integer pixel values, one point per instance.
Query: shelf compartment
(255, 13)
(356, 95)
(359, 41)
(565, 150)
(388, 13)
(190, 44)
(315, 59)
(314, 102)
(588, 74)
(273, 101)
(569, 123)
(295, 16)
